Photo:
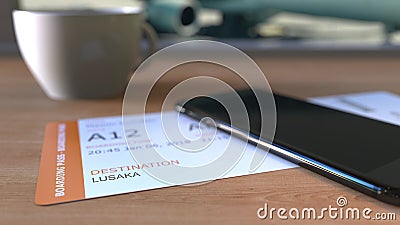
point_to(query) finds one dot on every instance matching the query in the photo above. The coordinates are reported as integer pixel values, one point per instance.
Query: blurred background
(252, 25)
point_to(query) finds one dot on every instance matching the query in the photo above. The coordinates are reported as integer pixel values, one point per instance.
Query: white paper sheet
(379, 105)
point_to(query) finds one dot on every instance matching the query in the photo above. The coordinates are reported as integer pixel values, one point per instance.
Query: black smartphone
(361, 153)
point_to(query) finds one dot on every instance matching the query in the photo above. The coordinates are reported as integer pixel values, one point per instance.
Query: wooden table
(25, 110)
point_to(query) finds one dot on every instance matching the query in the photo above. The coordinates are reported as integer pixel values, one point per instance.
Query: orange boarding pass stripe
(60, 176)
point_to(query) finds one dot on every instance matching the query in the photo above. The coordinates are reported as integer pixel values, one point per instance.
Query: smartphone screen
(359, 146)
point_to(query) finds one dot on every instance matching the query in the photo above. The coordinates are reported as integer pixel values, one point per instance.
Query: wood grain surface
(25, 110)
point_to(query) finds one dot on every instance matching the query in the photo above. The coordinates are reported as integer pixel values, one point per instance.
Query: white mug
(82, 53)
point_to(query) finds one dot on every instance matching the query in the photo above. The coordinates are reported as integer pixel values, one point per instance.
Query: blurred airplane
(180, 16)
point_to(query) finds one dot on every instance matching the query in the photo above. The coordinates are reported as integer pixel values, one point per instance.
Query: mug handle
(151, 35)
